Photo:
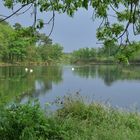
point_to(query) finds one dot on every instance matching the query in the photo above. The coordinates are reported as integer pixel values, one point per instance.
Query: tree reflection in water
(15, 82)
(109, 73)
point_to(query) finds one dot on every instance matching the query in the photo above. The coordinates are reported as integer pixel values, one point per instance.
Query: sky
(70, 32)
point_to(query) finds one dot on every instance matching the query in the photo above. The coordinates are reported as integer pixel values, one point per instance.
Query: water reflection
(120, 84)
(86, 71)
(15, 81)
(109, 73)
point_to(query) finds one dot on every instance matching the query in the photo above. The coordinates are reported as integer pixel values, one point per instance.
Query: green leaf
(85, 4)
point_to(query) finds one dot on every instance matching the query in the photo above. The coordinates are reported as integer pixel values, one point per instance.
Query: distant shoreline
(2, 64)
(103, 62)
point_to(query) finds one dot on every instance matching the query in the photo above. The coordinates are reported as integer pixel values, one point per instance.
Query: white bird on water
(72, 69)
(31, 70)
(26, 69)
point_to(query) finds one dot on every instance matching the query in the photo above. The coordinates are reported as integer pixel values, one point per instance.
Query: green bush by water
(76, 120)
(27, 122)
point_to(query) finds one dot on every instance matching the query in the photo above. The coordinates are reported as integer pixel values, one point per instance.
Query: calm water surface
(118, 85)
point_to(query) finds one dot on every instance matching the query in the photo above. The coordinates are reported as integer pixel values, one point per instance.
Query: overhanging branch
(13, 13)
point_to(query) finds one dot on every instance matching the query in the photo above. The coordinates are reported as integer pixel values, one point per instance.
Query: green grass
(76, 120)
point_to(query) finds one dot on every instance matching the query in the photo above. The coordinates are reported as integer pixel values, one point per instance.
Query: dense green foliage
(75, 120)
(128, 53)
(108, 54)
(110, 32)
(92, 55)
(27, 122)
(117, 17)
(22, 44)
(85, 53)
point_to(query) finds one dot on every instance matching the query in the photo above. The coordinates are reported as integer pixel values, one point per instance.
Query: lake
(115, 84)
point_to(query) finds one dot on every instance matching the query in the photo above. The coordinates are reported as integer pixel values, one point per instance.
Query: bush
(76, 120)
(27, 122)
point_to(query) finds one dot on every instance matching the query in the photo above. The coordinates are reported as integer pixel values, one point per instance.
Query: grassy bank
(74, 121)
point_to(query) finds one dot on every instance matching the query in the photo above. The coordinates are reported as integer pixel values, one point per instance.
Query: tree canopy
(118, 18)
(18, 44)
(125, 12)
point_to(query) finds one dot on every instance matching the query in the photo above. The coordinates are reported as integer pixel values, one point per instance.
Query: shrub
(27, 122)
(75, 120)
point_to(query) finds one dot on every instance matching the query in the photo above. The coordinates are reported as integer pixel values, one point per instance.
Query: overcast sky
(71, 33)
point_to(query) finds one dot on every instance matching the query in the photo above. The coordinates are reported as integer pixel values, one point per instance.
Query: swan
(31, 70)
(72, 69)
(26, 69)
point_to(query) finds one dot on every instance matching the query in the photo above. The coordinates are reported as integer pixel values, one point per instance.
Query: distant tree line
(108, 53)
(25, 44)
(20, 44)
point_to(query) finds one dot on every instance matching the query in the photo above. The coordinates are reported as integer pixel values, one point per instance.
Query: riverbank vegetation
(25, 45)
(74, 120)
(107, 54)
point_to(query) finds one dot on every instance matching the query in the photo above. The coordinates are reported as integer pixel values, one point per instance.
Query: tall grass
(76, 120)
